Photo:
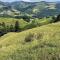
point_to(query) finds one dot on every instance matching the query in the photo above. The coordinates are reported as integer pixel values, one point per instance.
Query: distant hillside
(41, 43)
(35, 9)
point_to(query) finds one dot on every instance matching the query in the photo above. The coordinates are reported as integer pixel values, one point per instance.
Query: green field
(41, 43)
(9, 21)
(24, 24)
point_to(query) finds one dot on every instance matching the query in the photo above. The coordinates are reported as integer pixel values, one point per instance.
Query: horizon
(30, 0)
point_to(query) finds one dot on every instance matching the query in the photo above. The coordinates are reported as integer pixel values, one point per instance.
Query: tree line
(4, 28)
(9, 28)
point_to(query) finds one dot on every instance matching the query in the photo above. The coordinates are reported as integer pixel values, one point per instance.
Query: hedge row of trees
(16, 28)
(9, 28)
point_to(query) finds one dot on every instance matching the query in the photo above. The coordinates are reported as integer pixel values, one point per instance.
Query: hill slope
(35, 9)
(41, 43)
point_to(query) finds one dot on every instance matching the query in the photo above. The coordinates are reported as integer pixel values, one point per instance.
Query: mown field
(41, 43)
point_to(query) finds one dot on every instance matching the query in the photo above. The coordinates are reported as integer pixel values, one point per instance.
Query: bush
(29, 38)
(58, 18)
(32, 24)
(33, 36)
(12, 28)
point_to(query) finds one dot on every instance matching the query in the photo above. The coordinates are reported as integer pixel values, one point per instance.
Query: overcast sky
(28, 0)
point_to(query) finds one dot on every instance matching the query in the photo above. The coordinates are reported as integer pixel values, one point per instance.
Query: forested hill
(35, 9)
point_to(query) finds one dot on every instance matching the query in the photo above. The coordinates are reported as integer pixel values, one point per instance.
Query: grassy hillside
(9, 21)
(24, 24)
(41, 43)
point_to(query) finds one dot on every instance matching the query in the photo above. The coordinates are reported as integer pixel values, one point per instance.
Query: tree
(3, 24)
(53, 19)
(11, 28)
(58, 18)
(4, 27)
(26, 18)
(17, 29)
(7, 29)
(1, 31)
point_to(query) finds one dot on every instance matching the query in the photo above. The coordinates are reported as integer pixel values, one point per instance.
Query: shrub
(12, 28)
(37, 36)
(33, 36)
(58, 18)
(29, 38)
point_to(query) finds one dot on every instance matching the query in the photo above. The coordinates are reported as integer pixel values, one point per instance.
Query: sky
(29, 0)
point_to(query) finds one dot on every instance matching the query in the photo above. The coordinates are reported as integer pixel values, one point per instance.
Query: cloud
(36, 0)
(20, 0)
(9, 0)
(26, 0)
(32, 0)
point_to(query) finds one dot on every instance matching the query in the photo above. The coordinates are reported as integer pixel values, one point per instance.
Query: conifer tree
(17, 29)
